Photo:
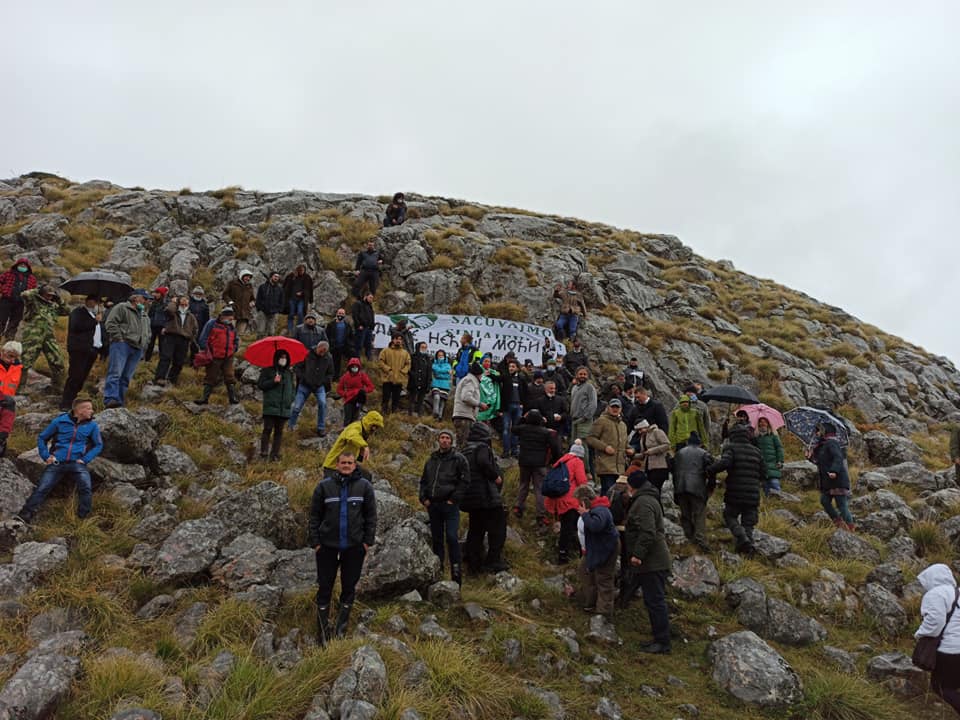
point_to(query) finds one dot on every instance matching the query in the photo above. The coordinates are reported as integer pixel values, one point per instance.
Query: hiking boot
(456, 574)
(205, 398)
(232, 395)
(323, 625)
(343, 619)
(840, 523)
(655, 648)
(23, 519)
(112, 404)
(495, 567)
(850, 527)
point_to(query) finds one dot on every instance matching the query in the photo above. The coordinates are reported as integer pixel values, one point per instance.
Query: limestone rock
(126, 438)
(770, 546)
(247, 560)
(400, 561)
(31, 561)
(171, 460)
(15, 488)
(883, 607)
(846, 545)
(444, 593)
(189, 550)
(898, 674)
(802, 474)
(37, 688)
(885, 450)
(696, 577)
(753, 672)
(263, 510)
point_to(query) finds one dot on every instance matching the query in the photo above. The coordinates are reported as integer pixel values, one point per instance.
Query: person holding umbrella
(276, 382)
(86, 341)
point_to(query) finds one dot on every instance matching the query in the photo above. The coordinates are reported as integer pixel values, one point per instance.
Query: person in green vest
(276, 382)
(684, 420)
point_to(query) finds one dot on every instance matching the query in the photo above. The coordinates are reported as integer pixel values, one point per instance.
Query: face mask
(282, 362)
(354, 370)
(693, 398)
(140, 307)
(21, 268)
(197, 297)
(228, 322)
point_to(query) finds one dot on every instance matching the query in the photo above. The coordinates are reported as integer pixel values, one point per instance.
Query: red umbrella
(759, 410)
(261, 352)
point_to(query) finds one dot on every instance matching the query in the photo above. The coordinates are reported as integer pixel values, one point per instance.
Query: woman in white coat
(939, 600)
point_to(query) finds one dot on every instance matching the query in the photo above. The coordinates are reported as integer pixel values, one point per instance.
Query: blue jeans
(303, 392)
(363, 340)
(120, 368)
(567, 324)
(51, 477)
(771, 485)
(295, 314)
(511, 416)
(445, 525)
(842, 511)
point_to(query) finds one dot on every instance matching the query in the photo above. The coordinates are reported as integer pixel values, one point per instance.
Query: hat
(476, 368)
(310, 314)
(642, 425)
(622, 479)
(637, 479)
(141, 292)
(537, 374)
(445, 432)
(13, 346)
(577, 448)
(163, 290)
(614, 402)
(228, 310)
(694, 438)
(684, 399)
(198, 290)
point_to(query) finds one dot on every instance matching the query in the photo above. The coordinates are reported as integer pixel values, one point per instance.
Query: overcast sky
(813, 143)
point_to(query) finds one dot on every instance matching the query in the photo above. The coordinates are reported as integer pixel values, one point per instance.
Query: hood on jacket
(479, 432)
(353, 362)
(279, 354)
(936, 575)
(600, 501)
(21, 261)
(372, 419)
(739, 432)
(243, 273)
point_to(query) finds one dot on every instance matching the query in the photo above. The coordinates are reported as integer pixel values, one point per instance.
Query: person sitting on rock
(445, 477)
(394, 363)
(269, 304)
(239, 293)
(601, 542)
(297, 295)
(354, 439)
(831, 464)
(13, 283)
(367, 269)
(343, 525)
(76, 441)
(276, 383)
(10, 369)
(353, 387)
(483, 503)
(315, 374)
(43, 306)
(219, 338)
(572, 309)
(309, 333)
(396, 211)
(440, 383)
(745, 476)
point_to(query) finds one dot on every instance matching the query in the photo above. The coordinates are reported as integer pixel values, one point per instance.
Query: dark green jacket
(644, 534)
(772, 451)
(277, 396)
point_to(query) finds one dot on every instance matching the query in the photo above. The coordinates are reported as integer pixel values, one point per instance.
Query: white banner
(492, 335)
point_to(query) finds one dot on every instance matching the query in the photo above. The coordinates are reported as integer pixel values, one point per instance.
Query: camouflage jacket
(41, 315)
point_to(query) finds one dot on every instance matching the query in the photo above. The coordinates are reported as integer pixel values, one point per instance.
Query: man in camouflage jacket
(43, 305)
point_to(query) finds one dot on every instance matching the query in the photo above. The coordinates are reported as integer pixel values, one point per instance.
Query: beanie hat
(577, 448)
(694, 438)
(228, 310)
(163, 290)
(476, 368)
(14, 347)
(637, 479)
(642, 425)
(198, 290)
(445, 432)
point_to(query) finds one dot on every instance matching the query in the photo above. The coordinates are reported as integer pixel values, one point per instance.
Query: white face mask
(282, 362)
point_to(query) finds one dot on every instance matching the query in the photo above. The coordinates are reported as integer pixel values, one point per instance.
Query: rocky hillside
(188, 592)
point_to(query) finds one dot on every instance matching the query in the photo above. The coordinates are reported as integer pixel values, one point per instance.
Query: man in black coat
(315, 374)
(269, 303)
(85, 343)
(343, 526)
(746, 474)
(339, 334)
(445, 477)
(646, 408)
(483, 503)
(539, 446)
(554, 408)
(298, 296)
(364, 321)
(576, 358)
(420, 378)
(367, 270)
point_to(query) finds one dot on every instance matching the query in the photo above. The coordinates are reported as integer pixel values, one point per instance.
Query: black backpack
(557, 482)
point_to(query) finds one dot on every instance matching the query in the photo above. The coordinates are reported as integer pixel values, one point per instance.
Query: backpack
(557, 482)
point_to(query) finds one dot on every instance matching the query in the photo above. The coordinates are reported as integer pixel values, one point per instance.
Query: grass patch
(838, 696)
(331, 259)
(505, 310)
(929, 538)
(511, 255)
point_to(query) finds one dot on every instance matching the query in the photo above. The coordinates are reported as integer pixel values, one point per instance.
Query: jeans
(295, 311)
(445, 525)
(120, 368)
(771, 485)
(51, 477)
(363, 340)
(843, 509)
(511, 416)
(567, 325)
(303, 392)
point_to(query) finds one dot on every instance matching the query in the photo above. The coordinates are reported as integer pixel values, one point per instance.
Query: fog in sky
(813, 143)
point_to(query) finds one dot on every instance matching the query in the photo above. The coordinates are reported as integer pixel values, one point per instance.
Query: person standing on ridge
(367, 269)
(353, 387)
(683, 421)
(13, 283)
(395, 371)
(269, 304)
(315, 374)
(443, 482)
(364, 323)
(158, 319)
(298, 296)
(128, 327)
(86, 341)
(309, 333)
(239, 293)
(608, 438)
(219, 337)
(179, 333)
(43, 307)
(339, 334)
(276, 383)
(483, 503)
(745, 476)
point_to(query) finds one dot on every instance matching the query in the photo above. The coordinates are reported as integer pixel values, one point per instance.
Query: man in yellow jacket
(684, 420)
(354, 439)
(394, 370)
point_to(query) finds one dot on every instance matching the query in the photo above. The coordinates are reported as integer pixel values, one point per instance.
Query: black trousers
(492, 524)
(349, 562)
(740, 521)
(272, 424)
(416, 398)
(654, 586)
(945, 679)
(351, 410)
(568, 541)
(81, 363)
(391, 397)
(338, 354)
(11, 313)
(371, 277)
(173, 353)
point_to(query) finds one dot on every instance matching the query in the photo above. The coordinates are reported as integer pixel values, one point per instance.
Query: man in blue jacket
(76, 441)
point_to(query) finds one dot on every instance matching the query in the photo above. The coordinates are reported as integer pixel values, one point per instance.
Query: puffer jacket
(578, 477)
(599, 533)
(421, 372)
(270, 299)
(483, 492)
(644, 536)
(772, 451)
(608, 430)
(394, 365)
(445, 477)
(331, 525)
(72, 440)
(690, 471)
(828, 455)
(539, 445)
(744, 467)
(277, 396)
(466, 398)
(442, 374)
(350, 384)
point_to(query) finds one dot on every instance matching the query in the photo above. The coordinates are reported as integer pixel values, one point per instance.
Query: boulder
(800, 473)
(897, 673)
(154, 528)
(37, 688)
(885, 450)
(402, 560)
(111, 472)
(696, 577)
(156, 607)
(31, 561)
(884, 609)
(444, 593)
(171, 460)
(15, 488)
(391, 511)
(126, 438)
(915, 475)
(295, 571)
(365, 679)
(753, 672)
(770, 546)
(247, 560)
(189, 550)
(885, 524)
(263, 510)
(846, 545)
(888, 575)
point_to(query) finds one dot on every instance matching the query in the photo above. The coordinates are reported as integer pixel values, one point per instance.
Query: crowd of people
(594, 456)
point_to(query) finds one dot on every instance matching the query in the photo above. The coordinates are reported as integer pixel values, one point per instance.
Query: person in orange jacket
(10, 371)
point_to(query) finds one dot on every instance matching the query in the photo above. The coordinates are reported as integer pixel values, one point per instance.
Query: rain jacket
(446, 476)
(72, 440)
(343, 512)
(939, 596)
(772, 451)
(442, 377)
(350, 384)
(277, 396)
(683, 422)
(599, 533)
(489, 394)
(353, 438)
(578, 477)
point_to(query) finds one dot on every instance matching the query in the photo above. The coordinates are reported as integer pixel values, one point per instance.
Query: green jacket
(126, 323)
(277, 396)
(41, 315)
(683, 422)
(772, 451)
(608, 430)
(489, 394)
(644, 534)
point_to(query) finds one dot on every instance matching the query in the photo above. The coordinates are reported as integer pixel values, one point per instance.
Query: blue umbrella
(803, 421)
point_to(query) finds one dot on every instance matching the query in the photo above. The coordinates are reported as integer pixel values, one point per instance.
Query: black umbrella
(729, 394)
(101, 283)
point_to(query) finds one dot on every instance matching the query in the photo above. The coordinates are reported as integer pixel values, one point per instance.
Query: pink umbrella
(759, 410)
